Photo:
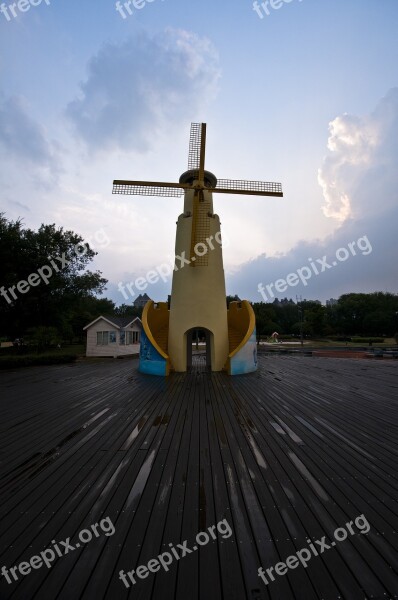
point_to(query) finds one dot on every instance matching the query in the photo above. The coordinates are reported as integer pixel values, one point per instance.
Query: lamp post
(300, 310)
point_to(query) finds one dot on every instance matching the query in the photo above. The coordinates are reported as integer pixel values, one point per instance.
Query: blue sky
(307, 95)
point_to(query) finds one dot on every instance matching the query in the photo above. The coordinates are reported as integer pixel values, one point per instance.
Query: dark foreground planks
(289, 453)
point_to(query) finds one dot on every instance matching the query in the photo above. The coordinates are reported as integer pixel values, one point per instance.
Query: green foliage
(85, 310)
(362, 315)
(128, 310)
(42, 337)
(367, 314)
(67, 302)
(366, 340)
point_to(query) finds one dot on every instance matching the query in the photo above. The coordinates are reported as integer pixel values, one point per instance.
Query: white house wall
(110, 349)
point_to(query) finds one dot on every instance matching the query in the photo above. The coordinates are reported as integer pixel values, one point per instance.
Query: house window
(106, 337)
(122, 340)
(102, 338)
(132, 337)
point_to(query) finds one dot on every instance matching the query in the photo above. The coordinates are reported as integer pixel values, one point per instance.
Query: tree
(86, 310)
(43, 277)
(265, 318)
(128, 310)
(367, 314)
(286, 314)
(314, 318)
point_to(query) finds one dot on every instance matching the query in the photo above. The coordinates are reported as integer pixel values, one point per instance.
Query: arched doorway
(198, 349)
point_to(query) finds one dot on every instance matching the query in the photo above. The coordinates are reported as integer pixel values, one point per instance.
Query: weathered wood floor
(289, 453)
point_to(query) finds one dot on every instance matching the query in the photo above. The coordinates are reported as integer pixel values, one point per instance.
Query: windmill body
(198, 297)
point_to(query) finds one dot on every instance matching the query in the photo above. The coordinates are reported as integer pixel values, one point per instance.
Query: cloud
(133, 89)
(360, 181)
(20, 136)
(24, 143)
(356, 145)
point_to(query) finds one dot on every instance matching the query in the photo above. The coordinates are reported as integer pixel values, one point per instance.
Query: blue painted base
(245, 361)
(151, 362)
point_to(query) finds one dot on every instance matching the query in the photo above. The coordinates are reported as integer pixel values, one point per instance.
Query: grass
(30, 360)
(388, 342)
(52, 356)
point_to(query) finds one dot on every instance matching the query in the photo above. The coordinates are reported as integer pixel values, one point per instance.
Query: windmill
(196, 166)
(198, 300)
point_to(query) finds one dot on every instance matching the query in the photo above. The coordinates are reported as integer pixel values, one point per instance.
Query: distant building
(113, 336)
(331, 302)
(141, 300)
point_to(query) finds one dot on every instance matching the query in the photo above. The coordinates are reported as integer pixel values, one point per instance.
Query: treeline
(48, 294)
(363, 315)
(47, 291)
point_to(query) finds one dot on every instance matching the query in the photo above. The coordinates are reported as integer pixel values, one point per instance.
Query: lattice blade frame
(202, 154)
(243, 186)
(137, 188)
(195, 139)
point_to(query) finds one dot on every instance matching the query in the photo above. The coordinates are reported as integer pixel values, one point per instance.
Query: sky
(303, 92)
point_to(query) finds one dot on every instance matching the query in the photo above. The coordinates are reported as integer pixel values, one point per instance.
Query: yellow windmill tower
(198, 297)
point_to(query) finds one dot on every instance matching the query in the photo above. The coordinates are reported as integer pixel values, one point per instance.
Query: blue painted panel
(151, 362)
(245, 361)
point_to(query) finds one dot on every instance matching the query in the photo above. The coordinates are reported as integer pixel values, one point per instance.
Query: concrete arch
(189, 338)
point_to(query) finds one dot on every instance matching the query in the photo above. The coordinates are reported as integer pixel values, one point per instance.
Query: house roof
(141, 298)
(118, 322)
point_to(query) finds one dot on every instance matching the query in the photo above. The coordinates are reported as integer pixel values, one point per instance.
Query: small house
(141, 300)
(113, 336)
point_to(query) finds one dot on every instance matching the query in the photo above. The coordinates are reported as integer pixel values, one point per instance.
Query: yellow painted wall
(198, 297)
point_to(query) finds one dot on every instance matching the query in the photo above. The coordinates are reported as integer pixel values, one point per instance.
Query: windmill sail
(195, 138)
(143, 189)
(242, 186)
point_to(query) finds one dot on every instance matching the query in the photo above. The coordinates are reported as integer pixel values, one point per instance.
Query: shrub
(365, 340)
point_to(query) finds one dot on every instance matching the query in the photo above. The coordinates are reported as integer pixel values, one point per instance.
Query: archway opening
(198, 350)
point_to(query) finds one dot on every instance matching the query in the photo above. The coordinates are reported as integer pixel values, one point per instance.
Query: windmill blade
(149, 188)
(202, 154)
(194, 146)
(253, 188)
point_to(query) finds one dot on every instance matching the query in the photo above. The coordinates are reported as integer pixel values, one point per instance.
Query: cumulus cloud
(133, 89)
(360, 181)
(358, 145)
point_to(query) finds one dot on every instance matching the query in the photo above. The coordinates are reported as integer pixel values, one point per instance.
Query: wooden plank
(286, 454)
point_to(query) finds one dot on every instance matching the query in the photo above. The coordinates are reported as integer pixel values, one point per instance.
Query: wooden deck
(289, 453)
